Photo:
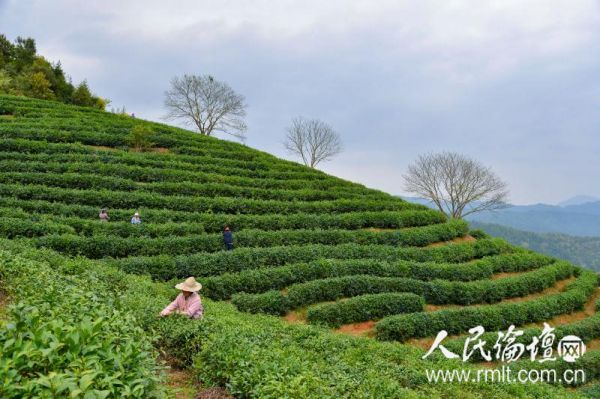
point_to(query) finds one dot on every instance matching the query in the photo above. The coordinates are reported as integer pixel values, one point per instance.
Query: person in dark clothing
(228, 238)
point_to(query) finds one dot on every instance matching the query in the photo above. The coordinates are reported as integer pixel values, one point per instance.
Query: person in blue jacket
(228, 238)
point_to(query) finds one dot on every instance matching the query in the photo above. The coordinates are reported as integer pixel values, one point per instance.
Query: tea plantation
(333, 290)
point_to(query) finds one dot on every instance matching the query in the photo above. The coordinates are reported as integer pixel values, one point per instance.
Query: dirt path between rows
(185, 385)
(364, 329)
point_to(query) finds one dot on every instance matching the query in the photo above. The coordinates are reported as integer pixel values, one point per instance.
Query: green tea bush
(73, 178)
(266, 168)
(135, 199)
(165, 167)
(99, 246)
(158, 222)
(491, 317)
(101, 175)
(52, 347)
(364, 308)
(270, 302)
(589, 364)
(250, 353)
(165, 267)
(17, 227)
(264, 279)
(437, 292)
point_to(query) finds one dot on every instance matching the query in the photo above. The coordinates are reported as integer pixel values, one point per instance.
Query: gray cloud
(514, 84)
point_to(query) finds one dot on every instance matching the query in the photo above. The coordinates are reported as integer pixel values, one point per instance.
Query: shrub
(364, 307)
(479, 234)
(53, 349)
(16, 227)
(159, 222)
(270, 302)
(491, 317)
(435, 292)
(135, 199)
(212, 264)
(99, 246)
(264, 279)
(140, 138)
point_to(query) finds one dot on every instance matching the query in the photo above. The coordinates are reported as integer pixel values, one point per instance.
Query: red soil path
(364, 329)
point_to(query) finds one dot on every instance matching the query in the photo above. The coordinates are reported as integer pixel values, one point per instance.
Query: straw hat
(136, 214)
(190, 284)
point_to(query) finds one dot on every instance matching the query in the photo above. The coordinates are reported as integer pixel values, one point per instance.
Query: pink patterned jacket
(192, 306)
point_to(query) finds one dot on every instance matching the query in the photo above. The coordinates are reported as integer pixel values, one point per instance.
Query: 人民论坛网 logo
(511, 345)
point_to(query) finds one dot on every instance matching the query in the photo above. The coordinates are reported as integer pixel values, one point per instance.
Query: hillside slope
(581, 220)
(330, 255)
(584, 251)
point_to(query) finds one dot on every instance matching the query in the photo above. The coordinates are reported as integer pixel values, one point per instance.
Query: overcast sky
(515, 84)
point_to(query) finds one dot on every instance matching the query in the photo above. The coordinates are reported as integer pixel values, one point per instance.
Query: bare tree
(313, 140)
(210, 105)
(457, 185)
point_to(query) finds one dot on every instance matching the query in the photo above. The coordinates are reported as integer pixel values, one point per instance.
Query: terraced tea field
(333, 289)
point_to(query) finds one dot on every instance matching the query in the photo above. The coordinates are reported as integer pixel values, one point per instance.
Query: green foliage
(64, 339)
(34, 84)
(5, 82)
(140, 138)
(265, 356)
(23, 72)
(437, 292)
(270, 302)
(590, 364)
(168, 181)
(160, 223)
(301, 236)
(478, 233)
(491, 317)
(130, 199)
(99, 246)
(584, 251)
(14, 227)
(264, 279)
(364, 308)
(591, 391)
(164, 267)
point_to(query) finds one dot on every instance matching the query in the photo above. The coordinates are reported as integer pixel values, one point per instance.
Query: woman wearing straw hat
(136, 218)
(188, 302)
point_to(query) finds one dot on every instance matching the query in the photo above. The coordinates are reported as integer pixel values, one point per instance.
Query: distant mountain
(578, 200)
(577, 220)
(584, 251)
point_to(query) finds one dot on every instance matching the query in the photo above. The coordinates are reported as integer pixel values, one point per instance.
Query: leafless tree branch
(457, 185)
(209, 105)
(312, 140)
